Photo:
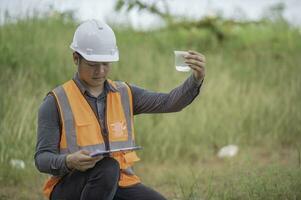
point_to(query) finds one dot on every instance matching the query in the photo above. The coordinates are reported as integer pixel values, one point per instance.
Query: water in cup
(180, 64)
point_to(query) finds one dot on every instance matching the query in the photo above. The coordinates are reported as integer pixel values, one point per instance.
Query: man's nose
(100, 68)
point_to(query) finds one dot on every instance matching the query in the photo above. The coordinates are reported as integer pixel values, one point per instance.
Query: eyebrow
(91, 63)
(96, 63)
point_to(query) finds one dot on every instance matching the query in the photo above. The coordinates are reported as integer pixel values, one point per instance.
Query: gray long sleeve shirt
(47, 156)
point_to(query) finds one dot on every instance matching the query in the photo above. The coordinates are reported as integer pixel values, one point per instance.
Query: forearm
(151, 102)
(47, 156)
(50, 163)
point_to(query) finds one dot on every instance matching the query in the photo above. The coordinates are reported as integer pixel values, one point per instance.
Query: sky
(195, 9)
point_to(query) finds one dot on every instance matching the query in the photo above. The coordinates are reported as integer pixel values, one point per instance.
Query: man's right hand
(81, 160)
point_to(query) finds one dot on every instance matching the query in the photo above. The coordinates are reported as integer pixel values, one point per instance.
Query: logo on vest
(118, 128)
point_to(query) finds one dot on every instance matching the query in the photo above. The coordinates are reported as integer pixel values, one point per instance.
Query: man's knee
(107, 170)
(109, 164)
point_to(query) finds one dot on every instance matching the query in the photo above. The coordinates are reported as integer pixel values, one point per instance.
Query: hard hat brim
(98, 58)
(102, 58)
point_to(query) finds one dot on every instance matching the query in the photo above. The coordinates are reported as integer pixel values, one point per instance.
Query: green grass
(251, 97)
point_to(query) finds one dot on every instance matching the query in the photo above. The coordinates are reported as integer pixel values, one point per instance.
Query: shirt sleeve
(47, 156)
(146, 101)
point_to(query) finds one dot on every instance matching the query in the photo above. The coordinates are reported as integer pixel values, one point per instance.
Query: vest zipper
(104, 134)
(106, 131)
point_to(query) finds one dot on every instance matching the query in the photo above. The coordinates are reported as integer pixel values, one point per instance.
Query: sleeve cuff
(66, 169)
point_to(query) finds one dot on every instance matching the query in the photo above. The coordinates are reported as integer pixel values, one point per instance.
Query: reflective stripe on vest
(69, 121)
(128, 171)
(122, 88)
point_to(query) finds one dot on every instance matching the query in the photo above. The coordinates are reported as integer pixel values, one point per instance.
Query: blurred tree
(275, 12)
(157, 7)
(161, 9)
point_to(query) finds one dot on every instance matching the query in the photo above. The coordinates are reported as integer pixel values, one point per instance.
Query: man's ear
(75, 58)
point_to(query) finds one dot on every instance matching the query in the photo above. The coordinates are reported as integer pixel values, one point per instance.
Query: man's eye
(92, 65)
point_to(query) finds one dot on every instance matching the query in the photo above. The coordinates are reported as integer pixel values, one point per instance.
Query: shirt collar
(83, 87)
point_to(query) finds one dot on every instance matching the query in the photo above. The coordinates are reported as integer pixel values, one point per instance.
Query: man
(91, 112)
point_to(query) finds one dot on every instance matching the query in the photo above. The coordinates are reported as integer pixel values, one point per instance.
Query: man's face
(92, 73)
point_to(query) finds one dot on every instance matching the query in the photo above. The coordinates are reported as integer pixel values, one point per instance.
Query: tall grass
(250, 97)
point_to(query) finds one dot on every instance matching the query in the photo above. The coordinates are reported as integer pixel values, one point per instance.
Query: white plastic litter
(228, 151)
(18, 164)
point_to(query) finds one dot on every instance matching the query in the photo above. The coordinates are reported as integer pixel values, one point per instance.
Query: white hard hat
(95, 41)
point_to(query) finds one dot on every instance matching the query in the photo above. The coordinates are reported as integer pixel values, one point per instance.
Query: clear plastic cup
(180, 64)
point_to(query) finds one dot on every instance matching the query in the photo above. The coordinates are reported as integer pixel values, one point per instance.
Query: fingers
(81, 160)
(90, 160)
(84, 155)
(198, 57)
(196, 68)
(85, 152)
(85, 165)
(195, 53)
(82, 163)
(85, 158)
(195, 58)
(195, 62)
(98, 158)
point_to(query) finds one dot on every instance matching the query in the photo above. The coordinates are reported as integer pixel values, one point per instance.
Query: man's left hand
(196, 62)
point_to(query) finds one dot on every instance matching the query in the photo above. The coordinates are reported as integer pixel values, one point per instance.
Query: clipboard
(98, 152)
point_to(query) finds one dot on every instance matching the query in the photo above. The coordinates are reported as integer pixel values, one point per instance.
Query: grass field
(251, 98)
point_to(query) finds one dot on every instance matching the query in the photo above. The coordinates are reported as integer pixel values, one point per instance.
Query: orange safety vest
(81, 128)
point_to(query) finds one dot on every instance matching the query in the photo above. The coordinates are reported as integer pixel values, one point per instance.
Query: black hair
(79, 56)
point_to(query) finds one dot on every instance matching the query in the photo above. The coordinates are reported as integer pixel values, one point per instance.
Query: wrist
(198, 79)
(69, 162)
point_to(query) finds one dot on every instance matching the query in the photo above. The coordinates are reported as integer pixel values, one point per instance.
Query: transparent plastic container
(180, 64)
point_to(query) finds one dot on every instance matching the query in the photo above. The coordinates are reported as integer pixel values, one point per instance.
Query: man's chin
(98, 82)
